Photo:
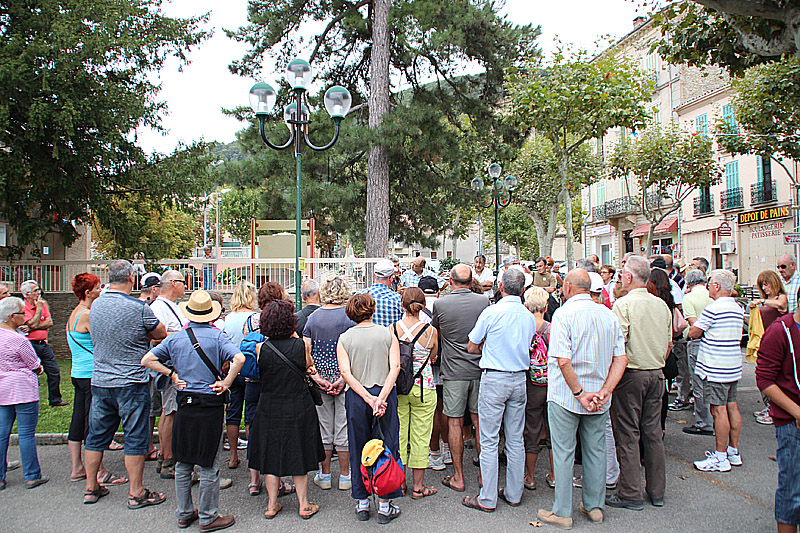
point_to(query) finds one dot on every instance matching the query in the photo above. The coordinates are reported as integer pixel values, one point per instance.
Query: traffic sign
(791, 238)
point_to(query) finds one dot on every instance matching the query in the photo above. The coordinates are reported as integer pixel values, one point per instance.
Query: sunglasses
(781, 267)
(19, 313)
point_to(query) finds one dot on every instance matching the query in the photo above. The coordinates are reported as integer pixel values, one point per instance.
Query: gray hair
(9, 306)
(335, 291)
(695, 277)
(27, 287)
(170, 275)
(393, 259)
(509, 259)
(309, 288)
(704, 262)
(513, 281)
(725, 278)
(120, 271)
(536, 299)
(639, 267)
(586, 264)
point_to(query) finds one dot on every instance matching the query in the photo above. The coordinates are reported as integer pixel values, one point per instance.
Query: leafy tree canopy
(76, 81)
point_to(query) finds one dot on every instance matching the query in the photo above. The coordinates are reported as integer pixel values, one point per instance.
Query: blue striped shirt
(590, 336)
(720, 357)
(792, 286)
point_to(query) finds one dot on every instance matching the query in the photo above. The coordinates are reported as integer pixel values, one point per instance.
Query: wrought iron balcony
(731, 199)
(763, 192)
(619, 207)
(704, 205)
(599, 212)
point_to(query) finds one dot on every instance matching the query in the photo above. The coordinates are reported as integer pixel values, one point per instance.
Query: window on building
(763, 168)
(729, 117)
(600, 192)
(433, 255)
(449, 253)
(3, 234)
(701, 124)
(600, 149)
(732, 175)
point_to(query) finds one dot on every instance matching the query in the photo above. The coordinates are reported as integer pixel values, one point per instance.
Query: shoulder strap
(291, 365)
(176, 314)
(202, 354)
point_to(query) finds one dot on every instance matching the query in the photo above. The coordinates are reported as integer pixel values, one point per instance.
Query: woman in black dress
(285, 438)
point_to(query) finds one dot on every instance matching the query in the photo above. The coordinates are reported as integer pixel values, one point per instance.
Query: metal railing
(704, 205)
(619, 206)
(599, 212)
(211, 274)
(730, 199)
(763, 192)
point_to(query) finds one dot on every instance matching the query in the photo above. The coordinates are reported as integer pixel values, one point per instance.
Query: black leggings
(79, 427)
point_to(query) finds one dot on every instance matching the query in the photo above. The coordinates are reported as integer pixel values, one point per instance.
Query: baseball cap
(428, 284)
(384, 268)
(151, 280)
(597, 282)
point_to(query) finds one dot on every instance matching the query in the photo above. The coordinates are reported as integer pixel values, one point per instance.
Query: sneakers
(345, 482)
(225, 483)
(679, 405)
(362, 511)
(436, 462)
(713, 463)
(762, 412)
(614, 500)
(447, 458)
(241, 445)
(697, 430)
(322, 481)
(12, 465)
(392, 513)
(577, 482)
(734, 457)
(765, 419)
(221, 522)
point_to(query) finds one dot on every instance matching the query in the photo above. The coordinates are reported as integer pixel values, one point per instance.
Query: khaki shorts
(719, 393)
(457, 395)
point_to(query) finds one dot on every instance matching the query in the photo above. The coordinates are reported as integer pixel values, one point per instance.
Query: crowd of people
(574, 366)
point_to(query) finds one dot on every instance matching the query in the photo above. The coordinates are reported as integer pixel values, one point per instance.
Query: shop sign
(761, 215)
(791, 238)
(771, 229)
(601, 230)
(724, 230)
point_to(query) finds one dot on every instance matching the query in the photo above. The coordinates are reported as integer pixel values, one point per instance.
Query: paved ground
(741, 500)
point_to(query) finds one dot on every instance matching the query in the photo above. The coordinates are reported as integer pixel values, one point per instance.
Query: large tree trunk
(455, 241)
(377, 223)
(545, 229)
(563, 169)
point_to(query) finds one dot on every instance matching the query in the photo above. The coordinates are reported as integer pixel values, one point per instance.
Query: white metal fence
(212, 274)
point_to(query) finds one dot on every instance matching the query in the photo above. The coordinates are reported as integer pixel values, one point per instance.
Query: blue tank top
(80, 344)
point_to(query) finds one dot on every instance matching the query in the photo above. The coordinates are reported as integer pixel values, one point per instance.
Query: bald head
(577, 281)
(461, 275)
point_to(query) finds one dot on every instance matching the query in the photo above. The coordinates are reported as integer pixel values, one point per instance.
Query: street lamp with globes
(502, 192)
(262, 100)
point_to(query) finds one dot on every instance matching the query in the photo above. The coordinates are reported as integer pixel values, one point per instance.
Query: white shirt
(169, 314)
(677, 292)
(483, 277)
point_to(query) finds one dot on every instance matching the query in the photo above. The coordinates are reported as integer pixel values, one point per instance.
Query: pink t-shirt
(18, 383)
(30, 310)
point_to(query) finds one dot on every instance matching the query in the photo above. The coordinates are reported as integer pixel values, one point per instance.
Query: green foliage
(516, 230)
(446, 264)
(767, 104)
(699, 35)
(578, 215)
(237, 207)
(76, 81)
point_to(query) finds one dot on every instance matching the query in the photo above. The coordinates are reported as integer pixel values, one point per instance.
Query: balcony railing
(731, 199)
(599, 212)
(619, 207)
(763, 192)
(704, 205)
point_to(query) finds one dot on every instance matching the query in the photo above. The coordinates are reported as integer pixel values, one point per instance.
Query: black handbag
(316, 394)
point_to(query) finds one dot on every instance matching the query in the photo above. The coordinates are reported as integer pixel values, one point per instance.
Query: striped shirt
(387, 304)
(720, 357)
(792, 286)
(18, 383)
(590, 336)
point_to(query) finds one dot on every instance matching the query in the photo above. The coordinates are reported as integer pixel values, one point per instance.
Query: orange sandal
(269, 514)
(307, 512)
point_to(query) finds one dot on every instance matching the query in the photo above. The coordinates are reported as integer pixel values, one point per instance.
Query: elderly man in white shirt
(585, 363)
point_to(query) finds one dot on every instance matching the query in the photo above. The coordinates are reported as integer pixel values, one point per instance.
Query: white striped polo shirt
(720, 357)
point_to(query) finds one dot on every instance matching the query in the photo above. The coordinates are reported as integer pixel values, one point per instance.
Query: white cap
(597, 282)
(384, 268)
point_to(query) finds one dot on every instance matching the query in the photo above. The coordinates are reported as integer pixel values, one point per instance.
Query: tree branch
(785, 43)
(338, 18)
(747, 8)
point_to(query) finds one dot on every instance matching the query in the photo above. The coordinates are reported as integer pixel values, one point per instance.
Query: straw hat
(201, 308)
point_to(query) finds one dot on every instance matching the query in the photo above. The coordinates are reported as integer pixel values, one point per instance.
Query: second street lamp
(502, 193)
(262, 100)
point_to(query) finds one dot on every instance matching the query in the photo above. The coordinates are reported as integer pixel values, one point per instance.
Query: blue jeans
(787, 497)
(208, 279)
(110, 405)
(27, 415)
(502, 399)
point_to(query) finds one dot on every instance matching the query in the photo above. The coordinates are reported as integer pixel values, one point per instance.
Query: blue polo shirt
(177, 349)
(506, 329)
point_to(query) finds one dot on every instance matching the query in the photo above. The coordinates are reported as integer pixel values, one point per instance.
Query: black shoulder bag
(217, 374)
(316, 394)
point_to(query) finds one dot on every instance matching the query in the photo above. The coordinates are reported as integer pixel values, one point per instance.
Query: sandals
(530, 485)
(145, 500)
(307, 512)
(114, 446)
(424, 493)
(474, 503)
(79, 478)
(255, 488)
(110, 479)
(152, 456)
(447, 481)
(286, 488)
(233, 463)
(551, 482)
(269, 514)
(93, 496)
(502, 495)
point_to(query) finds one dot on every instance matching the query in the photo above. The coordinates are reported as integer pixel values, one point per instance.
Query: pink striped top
(18, 383)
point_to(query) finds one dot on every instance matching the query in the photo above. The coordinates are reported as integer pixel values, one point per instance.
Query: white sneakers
(345, 482)
(323, 481)
(436, 462)
(719, 462)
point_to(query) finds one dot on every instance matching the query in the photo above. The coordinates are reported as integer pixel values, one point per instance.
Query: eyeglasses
(19, 313)
(179, 281)
(781, 267)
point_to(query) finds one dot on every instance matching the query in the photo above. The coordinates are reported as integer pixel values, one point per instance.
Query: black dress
(284, 438)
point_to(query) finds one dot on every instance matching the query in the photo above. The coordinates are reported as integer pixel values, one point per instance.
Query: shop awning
(640, 230)
(669, 225)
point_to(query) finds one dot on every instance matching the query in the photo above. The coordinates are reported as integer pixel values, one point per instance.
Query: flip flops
(269, 514)
(111, 479)
(93, 496)
(145, 500)
(307, 512)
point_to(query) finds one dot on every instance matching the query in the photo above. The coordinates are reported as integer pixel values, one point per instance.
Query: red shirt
(30, 310)
(776, 366)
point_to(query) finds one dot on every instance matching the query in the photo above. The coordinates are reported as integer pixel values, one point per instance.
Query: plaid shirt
(791, 287)
(387, 304)
(409, 278)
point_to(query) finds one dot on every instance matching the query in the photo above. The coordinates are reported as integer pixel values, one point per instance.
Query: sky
(196, 94)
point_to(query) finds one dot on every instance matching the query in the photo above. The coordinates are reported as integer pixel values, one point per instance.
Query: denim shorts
(787, 497)
(131, 406)
(233, 413)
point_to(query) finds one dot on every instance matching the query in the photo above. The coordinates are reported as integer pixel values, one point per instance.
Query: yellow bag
(755, 331)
